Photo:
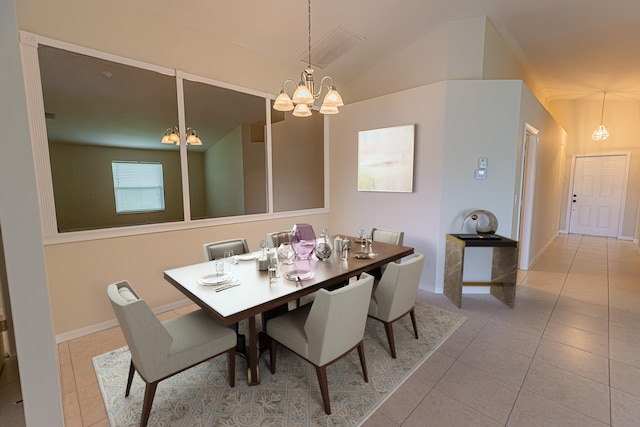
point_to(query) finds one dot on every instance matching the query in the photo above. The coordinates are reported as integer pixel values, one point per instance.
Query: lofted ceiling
(576, 49)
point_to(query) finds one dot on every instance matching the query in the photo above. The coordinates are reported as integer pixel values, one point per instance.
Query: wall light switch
(481, 174)
(483, 162)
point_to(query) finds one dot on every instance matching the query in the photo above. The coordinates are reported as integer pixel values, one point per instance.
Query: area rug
(202, 397)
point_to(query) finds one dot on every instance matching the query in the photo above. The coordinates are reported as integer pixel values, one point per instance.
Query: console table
(504, 266)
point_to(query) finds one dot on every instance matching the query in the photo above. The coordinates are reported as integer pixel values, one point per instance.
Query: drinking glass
(228, 258)
(219, 266)
(273, 268)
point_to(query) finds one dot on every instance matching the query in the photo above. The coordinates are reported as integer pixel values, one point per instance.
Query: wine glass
(361, 236)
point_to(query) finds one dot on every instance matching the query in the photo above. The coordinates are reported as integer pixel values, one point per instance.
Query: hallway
(567, 355)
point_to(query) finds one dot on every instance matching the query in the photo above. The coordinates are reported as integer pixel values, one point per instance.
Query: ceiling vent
(331, 47)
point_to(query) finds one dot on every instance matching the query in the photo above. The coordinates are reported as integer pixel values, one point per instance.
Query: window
(138, 186)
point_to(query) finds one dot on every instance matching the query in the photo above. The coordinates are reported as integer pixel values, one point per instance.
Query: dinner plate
(364, 255)
(299, 275)
(214, 279)
(247, 257)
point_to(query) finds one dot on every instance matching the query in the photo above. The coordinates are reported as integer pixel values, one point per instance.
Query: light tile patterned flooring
(567, 355)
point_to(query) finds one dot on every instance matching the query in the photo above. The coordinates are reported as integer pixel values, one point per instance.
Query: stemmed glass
(361, 235)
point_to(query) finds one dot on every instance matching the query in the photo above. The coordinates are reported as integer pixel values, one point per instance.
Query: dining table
(246, 291)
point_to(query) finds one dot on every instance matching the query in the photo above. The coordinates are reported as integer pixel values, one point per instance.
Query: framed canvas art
(385, 159)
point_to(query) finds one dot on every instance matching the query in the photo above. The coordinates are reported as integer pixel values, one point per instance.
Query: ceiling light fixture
(172, 136)
(305, 95)
(601, 133)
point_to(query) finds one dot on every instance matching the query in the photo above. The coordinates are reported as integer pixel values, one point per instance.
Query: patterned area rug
(201, 395)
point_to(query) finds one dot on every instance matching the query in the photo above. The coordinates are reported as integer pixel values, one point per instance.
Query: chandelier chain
(309, 19)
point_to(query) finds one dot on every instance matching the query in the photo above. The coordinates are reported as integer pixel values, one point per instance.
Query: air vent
(331, 47)
(51, 116)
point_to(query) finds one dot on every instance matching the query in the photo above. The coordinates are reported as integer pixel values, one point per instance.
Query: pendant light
(601, 133)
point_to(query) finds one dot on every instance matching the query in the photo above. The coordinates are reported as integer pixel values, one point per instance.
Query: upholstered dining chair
(162, 349)
(387, 236)
(277, 238)
(394, 295)
(215, 250)
(326, 330)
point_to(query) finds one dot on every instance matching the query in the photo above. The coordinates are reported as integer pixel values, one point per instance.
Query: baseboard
(68, 336)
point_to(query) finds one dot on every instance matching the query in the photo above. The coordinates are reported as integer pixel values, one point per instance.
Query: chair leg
(132, 370)
(231, 360)
(324, 387)
(363, 361)
(412, 313)
(272, 355)
(149, 393)
(392, 345)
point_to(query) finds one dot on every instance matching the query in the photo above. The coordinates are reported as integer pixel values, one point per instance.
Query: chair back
(277, 238)
(215, 250)
(146, 337)
(397, 289)
(387, 236)
(337, 320)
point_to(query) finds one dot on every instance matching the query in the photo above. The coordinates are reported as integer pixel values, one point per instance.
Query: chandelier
(601, 133)
(172, 136)
(305, 95)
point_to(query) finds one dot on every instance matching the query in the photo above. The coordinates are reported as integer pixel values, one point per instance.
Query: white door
(597, 195)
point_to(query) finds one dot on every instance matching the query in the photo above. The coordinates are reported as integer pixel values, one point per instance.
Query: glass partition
(298, 161)
(98, 112)
(101, 113)
(227, 173)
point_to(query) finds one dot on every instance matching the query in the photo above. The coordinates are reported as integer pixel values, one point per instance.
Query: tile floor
(567, 355)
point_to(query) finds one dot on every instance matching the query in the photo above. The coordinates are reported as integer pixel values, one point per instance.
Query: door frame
(625, 179)
(526, 194)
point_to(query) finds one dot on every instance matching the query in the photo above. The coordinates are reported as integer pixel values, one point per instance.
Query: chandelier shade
(601, 133)
(172, 136)
(305, 95)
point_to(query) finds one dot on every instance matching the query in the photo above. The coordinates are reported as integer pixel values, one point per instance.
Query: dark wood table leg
(253, 373)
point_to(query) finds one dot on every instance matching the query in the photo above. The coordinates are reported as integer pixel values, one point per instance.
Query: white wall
(20, 222)
(417, 213)
(456, 122)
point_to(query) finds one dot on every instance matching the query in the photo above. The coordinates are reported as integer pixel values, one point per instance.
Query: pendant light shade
(601, 133)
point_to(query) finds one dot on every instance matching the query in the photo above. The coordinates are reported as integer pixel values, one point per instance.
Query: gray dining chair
(394, 296)
(326, 330)
(160, 350)
(276, 238)
(215, 250)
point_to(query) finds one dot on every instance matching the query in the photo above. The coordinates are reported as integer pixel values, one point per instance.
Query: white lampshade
(333, 98)
(302, 110)
(283, 102)
(302, 95)
(328, 109)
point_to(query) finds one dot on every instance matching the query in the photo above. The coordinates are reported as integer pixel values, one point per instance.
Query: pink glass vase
(303, 240)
